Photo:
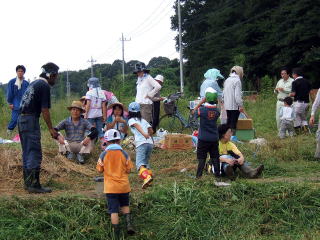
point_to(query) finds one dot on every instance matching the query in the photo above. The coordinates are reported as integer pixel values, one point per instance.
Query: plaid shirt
(74, 133)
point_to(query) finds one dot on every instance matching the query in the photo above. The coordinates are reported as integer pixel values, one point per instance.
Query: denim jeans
(30, 138)
(14, 119)
(143, 153)
(98, 123)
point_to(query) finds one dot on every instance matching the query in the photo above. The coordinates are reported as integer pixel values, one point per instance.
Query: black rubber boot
(229, 171)
(251, 172)
(35, 186)
(130, 229)
(201, 165)
(116, 231)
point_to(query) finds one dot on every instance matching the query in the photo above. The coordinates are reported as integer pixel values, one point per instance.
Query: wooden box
(178, 141)
(245, 124)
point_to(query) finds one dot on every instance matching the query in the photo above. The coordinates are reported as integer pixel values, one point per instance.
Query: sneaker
(147, 181)
(80, 158)
(70, 155)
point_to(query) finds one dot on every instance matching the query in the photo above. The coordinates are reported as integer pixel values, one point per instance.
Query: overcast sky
(69, 32)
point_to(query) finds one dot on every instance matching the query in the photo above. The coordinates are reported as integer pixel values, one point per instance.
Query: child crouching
(231, 158)
(142, 132)
(115, 163)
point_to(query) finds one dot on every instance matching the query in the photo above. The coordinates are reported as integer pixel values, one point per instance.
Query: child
(116, 164)
(208, 133)
(232, 158)
(95, 107)
(286, 115)
(117, 120)
(142, 132)
(84, 103)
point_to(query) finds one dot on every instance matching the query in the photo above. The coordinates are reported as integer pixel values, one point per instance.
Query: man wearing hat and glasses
(76, 142)
(147, 87)
(36, 101)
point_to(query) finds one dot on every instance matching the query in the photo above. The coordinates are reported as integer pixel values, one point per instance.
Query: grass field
(283, 204)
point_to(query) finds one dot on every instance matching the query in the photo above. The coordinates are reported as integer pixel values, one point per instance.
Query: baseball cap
(112, 134)
(134, 107)
(211, 95)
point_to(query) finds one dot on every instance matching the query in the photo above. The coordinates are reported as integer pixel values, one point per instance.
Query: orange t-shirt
(116, 168)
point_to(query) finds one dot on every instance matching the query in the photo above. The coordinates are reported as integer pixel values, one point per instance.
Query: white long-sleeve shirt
(315, 104)
(147, 87)
(232, 92)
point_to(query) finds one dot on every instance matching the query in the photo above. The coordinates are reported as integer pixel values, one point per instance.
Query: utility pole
(91, 61)
(68, 84)
(123, 40)
(180, 49)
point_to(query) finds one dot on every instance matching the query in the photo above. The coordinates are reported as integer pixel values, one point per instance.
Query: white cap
(112, 134)
(159, 78)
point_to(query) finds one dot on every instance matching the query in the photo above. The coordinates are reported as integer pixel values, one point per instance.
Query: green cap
(211, 95)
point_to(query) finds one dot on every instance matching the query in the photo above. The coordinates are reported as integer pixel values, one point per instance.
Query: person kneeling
(75, 142)
(231, 158)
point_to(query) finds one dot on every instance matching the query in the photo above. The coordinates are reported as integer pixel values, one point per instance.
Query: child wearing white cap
(115, 164)
(142, 132)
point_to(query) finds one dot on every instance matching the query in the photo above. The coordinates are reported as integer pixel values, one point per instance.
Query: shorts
(117, 200)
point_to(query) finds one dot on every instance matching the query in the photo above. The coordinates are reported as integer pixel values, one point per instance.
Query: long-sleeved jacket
(147, 87)
(232, 92)
(14, 95)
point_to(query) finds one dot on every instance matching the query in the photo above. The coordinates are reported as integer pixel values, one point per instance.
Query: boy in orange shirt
(115, 163)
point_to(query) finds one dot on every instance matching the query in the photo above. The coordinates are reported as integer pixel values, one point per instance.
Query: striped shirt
(232, 92)
(74, 133)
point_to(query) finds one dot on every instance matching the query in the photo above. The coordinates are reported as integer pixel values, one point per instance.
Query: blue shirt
(208, 130)
(14, 95)
(210, 83)
(118, 126)
(139, 139)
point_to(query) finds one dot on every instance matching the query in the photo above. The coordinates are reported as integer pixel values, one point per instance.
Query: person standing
(211, 77)
(232, 96)
(300, 91)
(36, 101)
(156, 104)
(147, 87)
(15, 90)
(315, 106)
(282, 89)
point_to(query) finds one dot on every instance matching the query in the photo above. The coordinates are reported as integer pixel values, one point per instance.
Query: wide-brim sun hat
(140, 67)
(111, 135)
(83, 98)
(76, 104)
(238, 70)
(213, 74)
(117, 104)
(159, 78)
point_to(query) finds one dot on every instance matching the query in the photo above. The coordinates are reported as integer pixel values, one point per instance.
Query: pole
(68, 84)
(180, 49)
(91, 61)
(122, 39)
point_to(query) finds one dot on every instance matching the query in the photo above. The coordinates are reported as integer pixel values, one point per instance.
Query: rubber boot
(297, 130)
(116, 231)
(251, 172)
(35, 186)
(147, 178)
(130, 229)
(228, 170)
(201, 164)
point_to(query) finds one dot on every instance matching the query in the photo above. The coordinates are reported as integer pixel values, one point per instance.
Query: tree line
(263, 36)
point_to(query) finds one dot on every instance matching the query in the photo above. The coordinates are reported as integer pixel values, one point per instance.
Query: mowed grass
(283, 204)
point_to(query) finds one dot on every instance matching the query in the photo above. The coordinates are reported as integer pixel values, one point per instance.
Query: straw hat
(83, 98)
(76, 104)
(119, 104)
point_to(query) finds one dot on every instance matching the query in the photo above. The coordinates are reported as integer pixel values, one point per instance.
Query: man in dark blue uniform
(36, 100)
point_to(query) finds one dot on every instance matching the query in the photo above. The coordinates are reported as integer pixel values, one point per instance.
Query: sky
(69, 32)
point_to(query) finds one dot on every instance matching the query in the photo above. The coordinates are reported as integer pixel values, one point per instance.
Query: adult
(96, 110)
(76, 142)
(282, 89)
(300, 91)
(232, 96)
(315, 106)
(36, 100)
(156, 104)
(147, 87)
(15, 90)
(211, 77)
